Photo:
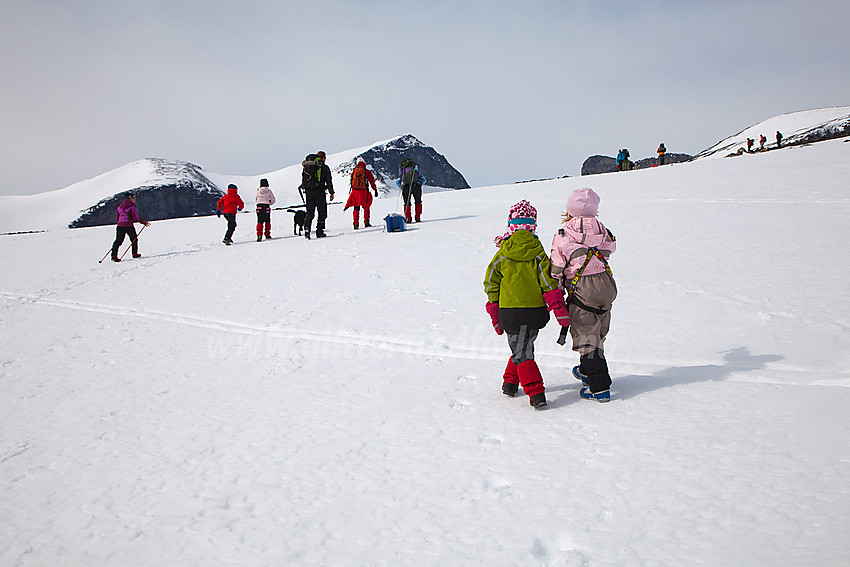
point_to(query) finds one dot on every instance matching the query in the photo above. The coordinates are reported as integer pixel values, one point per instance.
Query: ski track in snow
(735, 361)
(409, 346)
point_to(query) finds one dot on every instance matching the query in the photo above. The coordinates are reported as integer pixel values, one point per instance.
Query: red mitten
(493, 312)
(555, 303)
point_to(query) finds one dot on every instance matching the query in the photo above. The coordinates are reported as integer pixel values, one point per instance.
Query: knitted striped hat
(522, 216)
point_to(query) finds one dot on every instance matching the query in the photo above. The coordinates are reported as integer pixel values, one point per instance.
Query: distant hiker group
(762, 148)
(315, 188)
(623, 162)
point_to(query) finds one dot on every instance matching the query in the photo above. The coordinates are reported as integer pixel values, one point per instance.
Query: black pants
(231, 225)
(264, 213)
(120, 232)
(416, 191)
(317, 206)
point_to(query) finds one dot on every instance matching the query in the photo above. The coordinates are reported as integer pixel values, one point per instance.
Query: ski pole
(133, 242)
(104, 256)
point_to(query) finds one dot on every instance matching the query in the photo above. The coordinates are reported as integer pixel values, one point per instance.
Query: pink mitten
(493, 312)
(555, 303)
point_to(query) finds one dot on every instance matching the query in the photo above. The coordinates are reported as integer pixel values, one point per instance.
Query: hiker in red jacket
(228, 206)
(127, 214)
(361, 179)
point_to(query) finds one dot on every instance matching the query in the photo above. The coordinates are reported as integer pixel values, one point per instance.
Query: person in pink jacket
(264, 201)
(127, 215)
(579, 261)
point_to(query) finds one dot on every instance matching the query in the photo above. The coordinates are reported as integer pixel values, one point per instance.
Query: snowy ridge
(796, 128)
(338, 401)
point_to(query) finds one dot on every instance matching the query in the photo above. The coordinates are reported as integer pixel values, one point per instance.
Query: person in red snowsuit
(361, 179)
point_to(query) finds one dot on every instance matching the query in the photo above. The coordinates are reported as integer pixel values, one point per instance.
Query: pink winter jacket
(265, 196)
(570, 245)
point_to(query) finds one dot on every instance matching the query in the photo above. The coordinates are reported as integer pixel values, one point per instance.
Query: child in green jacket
(520, 293)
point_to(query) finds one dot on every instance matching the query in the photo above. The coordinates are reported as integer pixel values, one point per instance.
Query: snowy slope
(337, 401)
(794, 127)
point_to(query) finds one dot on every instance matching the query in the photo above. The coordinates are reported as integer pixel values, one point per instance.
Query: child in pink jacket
(579, 261)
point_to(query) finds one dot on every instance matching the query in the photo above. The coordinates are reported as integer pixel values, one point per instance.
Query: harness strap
(578, 303)
(571, 287)
(591, 252)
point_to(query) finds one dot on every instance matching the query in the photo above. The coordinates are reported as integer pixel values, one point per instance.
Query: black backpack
(311, 172)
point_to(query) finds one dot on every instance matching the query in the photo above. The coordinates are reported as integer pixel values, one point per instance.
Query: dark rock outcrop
(668, 159)
(606, 164)
(598, 164)
(384, 160)
(181, 190)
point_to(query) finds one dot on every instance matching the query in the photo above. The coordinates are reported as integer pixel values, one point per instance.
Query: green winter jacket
(519, 274)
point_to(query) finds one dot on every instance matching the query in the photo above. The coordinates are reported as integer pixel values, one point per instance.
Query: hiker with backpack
(620, 157)
(579, 262)
(127, 214)
(228, 206)
(411, 180)
(361, 179)
(264, 201)
(662, 151)
(315, 180)
(520, 293)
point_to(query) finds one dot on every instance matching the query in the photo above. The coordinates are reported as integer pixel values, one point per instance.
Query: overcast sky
(506, 90)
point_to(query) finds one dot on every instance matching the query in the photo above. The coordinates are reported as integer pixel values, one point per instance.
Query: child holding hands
(520, 293)
(580, 251)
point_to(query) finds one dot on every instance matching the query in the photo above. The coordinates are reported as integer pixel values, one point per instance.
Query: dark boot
(595, 367)
(532, 382)
(510, 386)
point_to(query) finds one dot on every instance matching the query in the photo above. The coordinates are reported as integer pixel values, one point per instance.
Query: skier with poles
(127, 215)
(411, 180)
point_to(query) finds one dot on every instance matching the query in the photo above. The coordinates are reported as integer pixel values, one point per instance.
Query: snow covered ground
(337, 401)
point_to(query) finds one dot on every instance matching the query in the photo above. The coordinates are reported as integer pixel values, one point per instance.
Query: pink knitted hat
(522, 216)
(583, 203)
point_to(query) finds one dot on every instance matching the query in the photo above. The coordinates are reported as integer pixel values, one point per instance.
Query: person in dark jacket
(411, 180)
(778, 139)
(315, 180)
(662, 151)
(127, 215)
(228, 206)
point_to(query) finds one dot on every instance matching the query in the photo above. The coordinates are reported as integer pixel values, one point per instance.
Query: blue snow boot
(579, 376)
(603, 396)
